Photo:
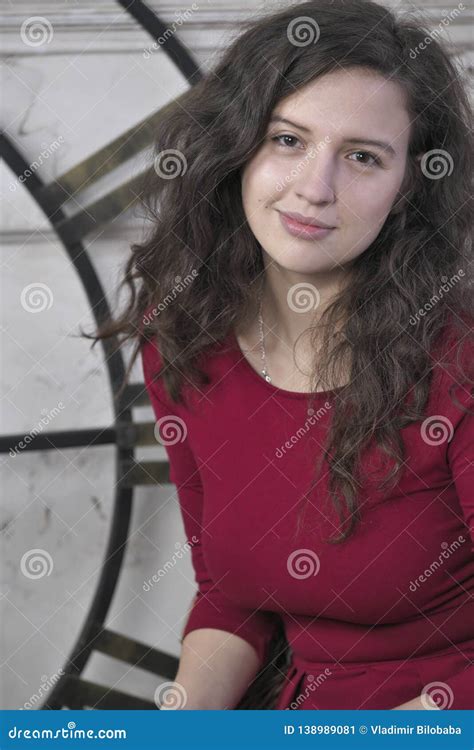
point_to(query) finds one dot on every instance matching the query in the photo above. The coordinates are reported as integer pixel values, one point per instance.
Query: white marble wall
(87, 84)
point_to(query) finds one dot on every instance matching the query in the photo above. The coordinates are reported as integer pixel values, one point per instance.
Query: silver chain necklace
(262, 345)
(264, 371)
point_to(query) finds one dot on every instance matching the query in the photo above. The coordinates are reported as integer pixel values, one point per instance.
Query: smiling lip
(304, 231)
(306, 219)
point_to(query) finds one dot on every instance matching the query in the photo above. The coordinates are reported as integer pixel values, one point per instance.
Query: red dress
(372, 622)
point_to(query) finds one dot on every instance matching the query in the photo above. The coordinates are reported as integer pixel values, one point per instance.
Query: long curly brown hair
(200, 269)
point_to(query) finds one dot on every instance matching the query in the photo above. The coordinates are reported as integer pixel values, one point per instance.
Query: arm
(417, 704)
(223, 644)
(461, 460)
(215, 669)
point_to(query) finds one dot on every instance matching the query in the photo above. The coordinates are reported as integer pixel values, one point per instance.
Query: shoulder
(453, 364)
(152, 365)
(214, 363)
(151, 357)
(454, 349)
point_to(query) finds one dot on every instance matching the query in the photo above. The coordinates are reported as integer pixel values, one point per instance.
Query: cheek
(260, 182)
(371, 200)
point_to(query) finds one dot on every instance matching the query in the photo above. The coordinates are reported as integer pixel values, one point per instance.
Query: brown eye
(375, 159)
(276, 138)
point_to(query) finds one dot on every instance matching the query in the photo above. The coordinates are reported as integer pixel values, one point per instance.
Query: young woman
(304, 316)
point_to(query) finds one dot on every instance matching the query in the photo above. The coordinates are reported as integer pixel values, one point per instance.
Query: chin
(304, 265)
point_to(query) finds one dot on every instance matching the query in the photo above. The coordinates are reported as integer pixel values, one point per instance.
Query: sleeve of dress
(210, 608)
(461, 461)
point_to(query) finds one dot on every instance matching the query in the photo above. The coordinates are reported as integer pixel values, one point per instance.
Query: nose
(316, 181)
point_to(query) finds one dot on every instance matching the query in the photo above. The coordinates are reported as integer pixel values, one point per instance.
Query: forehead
(345, 102)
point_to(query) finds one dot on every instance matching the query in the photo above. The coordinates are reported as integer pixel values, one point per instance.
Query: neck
(290, 311)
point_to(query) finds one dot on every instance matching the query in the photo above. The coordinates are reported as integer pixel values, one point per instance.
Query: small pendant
(266, 376)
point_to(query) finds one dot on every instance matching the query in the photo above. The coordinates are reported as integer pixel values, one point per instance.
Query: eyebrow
(370, 141)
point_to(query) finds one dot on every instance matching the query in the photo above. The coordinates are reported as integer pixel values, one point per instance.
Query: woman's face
(328, 172)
